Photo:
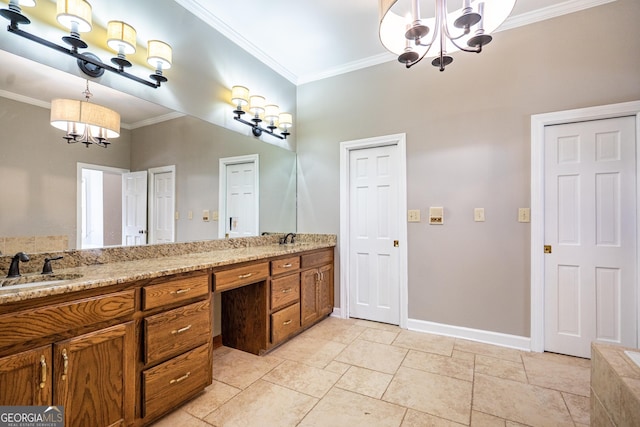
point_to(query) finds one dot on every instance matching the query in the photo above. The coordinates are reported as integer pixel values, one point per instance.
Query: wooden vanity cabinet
(177, 342)
(285, 299)
(25, 378)
(316, 287)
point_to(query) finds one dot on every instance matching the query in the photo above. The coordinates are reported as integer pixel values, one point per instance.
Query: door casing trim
(398, 140)
(538, 122)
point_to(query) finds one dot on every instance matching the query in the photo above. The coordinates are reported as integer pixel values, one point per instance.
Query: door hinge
(396, 243)
(547, 249)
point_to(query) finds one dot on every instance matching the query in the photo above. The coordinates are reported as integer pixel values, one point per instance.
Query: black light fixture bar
(83, 58)
(257, 130)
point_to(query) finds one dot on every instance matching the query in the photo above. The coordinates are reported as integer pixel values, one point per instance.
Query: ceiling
(302, 40)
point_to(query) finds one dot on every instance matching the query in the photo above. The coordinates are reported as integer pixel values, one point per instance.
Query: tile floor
(359, 373)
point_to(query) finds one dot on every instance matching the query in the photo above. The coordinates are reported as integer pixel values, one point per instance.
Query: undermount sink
(634, 356)
(36, 280)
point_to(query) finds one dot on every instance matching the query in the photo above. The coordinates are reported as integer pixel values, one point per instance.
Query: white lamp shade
(285, 121)
(27, 3)
(240, 95)
(121, 35)
(159, 54)
(101, 120)
(393, 25)
(271, 112)
(256, 104)
(72, 12)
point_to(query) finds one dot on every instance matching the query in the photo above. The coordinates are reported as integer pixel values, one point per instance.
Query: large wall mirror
(39, 170)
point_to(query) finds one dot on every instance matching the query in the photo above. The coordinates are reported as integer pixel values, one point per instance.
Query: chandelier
(84, 121)
(406, 34)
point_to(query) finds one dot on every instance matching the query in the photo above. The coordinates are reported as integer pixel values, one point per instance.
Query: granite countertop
(100, 275)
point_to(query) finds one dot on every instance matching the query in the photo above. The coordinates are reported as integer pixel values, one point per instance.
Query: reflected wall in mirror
(38, 172)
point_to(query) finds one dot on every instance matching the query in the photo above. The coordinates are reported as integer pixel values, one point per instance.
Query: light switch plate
(177, 215)
(478, 214)
(190, 215)
(205, 215)
(414, 215)
(524, 215)
(436, 215)
(215, 216)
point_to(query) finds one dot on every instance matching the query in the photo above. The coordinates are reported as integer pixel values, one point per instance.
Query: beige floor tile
(240, 369)
(463, 355)
(501, 368)
(374, 356)
(488, 350)
(415, 418)
(306, 379)
(428, 343)
(379, 336)
(579, 407)
(337, 367)
(310, 351)
(437, 364)
(523, 403)
(344, 408)
(480, 419)
(434, 394)
(263, 404)
(558, 373)
(334, 330)
(180, 418)
(365, 381)
(213, 397)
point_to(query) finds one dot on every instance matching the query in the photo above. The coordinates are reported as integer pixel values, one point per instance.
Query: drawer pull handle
(286, 291)
(287, 322)
(287, 265)
(182, 378)
(181, 291)
(181, 330)
(245, 276)
(65, 364)
(43, 372)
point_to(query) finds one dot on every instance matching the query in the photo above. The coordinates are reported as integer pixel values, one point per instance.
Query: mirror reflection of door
(239, 196)
(134, 208)
(162, 205)
(99, 209)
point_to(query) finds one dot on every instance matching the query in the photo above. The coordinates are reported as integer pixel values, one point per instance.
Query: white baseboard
(487, 337)
(336, 312)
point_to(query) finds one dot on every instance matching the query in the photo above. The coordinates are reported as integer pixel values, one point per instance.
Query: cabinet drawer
(285, 290)
(172, 382)
(174, 290)
(318, 258)
(285, 322)
(45, 321)
(236, 277)
(172, 332)
(285, 265)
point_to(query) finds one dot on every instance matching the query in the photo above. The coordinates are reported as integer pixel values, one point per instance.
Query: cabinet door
(308, 297)
(325, 291)
(95, 377)
(25, 378)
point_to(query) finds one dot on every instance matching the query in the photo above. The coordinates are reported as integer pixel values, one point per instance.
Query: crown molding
(25, 99)
(153, 120)
(370, 61)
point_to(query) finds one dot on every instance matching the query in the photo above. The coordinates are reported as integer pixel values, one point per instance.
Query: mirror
(38, 169)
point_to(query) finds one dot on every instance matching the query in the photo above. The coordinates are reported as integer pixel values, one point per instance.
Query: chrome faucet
(284, 240)
(14, 269)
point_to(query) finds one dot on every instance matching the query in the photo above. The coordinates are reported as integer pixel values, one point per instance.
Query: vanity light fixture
(261, 111)
(84, 121)
(406, 36)
(121, 37)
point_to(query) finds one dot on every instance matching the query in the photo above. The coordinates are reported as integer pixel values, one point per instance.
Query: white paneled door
(134, 208)
(163, 207)
(241, 202)
(590, 231)
(374, 266)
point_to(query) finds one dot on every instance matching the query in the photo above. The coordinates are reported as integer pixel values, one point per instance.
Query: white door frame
(79, 168)
(538, 122)
(152, 206)
(398, 140)
(222, 189)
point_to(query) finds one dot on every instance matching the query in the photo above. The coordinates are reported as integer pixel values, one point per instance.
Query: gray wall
(38, 172)
(468, 145)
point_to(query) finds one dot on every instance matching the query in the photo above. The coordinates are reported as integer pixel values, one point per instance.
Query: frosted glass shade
(285, 121)
(101, 120)
(72, 12)
(240, 95)
(121, 35)
(159, 54)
